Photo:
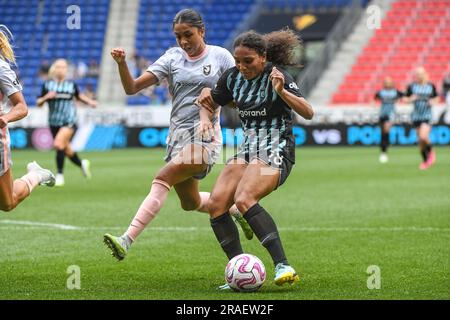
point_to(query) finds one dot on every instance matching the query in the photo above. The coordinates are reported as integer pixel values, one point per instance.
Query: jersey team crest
(207, 70)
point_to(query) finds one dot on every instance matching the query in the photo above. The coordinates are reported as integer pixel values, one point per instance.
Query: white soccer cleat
(86, 168)
(46, 177)
(383, 158)
(285, 274)
(119, 246)
(59, 180)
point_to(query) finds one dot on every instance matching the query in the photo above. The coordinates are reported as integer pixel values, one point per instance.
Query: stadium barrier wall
(146, 127)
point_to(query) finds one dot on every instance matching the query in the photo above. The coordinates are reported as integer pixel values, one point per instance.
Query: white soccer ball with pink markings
(245, 272)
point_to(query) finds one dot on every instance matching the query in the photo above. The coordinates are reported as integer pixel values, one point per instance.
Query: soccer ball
(245, 272)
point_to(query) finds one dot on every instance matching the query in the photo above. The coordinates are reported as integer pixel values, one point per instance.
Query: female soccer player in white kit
(12, 192)
(189, 68)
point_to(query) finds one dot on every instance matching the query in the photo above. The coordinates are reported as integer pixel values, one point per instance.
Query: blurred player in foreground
(12, 192)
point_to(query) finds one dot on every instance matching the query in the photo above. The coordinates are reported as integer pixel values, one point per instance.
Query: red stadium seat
(408, 38)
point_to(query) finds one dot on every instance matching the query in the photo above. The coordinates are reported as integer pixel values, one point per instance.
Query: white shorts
(181, 138)
(5, 151)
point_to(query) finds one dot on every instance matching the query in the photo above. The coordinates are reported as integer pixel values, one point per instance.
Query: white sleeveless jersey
(187, 78)
(9, 84)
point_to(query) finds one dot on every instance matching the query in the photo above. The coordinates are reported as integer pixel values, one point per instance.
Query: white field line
(19, 224)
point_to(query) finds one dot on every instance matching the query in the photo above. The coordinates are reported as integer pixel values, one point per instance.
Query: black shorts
(279, 162)
(55, 129)
(418, 123)
(385, 119)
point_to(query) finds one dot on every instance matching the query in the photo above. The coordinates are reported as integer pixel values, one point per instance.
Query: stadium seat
(413, 32)
(51, 39)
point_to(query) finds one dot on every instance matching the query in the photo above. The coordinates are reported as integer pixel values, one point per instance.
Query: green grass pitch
(339, 212)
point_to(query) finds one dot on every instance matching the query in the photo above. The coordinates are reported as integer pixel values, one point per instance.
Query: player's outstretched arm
(130, 85)
(86, 100)
(17, 112)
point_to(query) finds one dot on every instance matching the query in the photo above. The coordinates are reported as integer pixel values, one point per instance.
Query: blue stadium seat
(30, 39)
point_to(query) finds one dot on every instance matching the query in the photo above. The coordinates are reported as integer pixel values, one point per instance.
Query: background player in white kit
(189, 68)
(13, 192)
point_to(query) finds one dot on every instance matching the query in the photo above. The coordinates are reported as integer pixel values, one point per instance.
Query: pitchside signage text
(118, 136)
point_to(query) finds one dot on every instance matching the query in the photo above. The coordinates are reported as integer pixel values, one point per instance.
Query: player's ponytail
(6, 50)
(281, 46)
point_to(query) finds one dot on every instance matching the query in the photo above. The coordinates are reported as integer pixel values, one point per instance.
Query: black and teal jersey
(266, 118)
(422, 106)
(388, 98)
(62, 110)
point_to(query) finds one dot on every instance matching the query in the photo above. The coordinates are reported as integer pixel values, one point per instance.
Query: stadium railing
(342, 29)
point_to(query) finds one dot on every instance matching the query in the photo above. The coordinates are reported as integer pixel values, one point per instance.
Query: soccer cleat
(117, 245)
(59, 180)
(383, 158)
(225, 286)
(86, 168)
(46, 177)
(423, 166)
(285, 273)
(248, 232)
(431, 158)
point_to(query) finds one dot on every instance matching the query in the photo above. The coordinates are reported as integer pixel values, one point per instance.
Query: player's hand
(277, 79)
(205, 99)
(50, 95)
(414, 98)
(118, 55)
(206, 130)
(3, 122)
(93, 104)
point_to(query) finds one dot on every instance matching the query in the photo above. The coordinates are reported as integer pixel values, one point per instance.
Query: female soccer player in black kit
(423, 94)
(59, 93)
(388, 97)
(265, 96)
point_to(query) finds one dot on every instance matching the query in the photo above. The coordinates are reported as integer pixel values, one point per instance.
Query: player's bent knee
(244, 201)
(7, 207)
(215, 207)
(189, 205)
(59, 146)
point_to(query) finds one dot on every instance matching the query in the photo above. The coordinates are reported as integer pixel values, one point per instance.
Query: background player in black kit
(388, 97)
(265, 95)
(422, 94)
(59, 93)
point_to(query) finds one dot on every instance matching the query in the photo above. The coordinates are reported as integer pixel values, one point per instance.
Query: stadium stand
(41, 34)
(307, 4)
(414, 33)
(154, 32)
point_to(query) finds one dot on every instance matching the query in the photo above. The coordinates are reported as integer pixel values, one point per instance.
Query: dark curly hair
(278, 46)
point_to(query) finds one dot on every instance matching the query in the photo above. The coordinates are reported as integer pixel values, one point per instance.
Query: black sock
(266, 230)
(424, 155)
(75, 160)
(428, 150)
(384, 141)
(60, 155)
(227, 234)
